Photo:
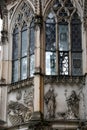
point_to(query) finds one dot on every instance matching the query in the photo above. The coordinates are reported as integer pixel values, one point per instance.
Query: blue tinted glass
(15, 71)
(63, 38)
(50, 63)
(50, 37)
(76, 38)
(32, 65)
(15, 43)
(32, 40)
(24, 43)
(76, 64)
(24, 68)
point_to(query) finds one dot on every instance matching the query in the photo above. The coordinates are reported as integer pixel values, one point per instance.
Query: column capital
(38, 20)
(4, 36)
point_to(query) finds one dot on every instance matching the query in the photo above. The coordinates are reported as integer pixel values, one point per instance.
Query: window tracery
(63, 38)
(23, 44)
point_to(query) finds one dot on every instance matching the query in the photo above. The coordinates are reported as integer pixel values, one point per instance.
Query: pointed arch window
(63, 46)
(23, 52)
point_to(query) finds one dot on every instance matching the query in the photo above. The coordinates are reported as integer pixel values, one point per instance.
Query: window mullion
(19, 56)
(69, 49)
(57, 65)
(28, 53)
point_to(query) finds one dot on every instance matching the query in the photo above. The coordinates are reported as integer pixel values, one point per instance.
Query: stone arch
(17, 8)
(48, 4)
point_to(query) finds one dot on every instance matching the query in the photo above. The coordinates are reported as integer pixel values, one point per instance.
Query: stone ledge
(64, 79)
(21, 84)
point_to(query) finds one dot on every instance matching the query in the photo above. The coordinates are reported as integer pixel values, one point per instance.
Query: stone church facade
(43, 78)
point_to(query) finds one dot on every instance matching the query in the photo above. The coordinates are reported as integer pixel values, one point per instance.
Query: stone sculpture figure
(50, 103)
(73, 105)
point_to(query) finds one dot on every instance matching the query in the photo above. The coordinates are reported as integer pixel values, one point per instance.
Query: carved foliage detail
(20, 111)
(50, 101)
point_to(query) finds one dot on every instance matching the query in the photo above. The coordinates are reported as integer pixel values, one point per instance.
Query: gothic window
(23, 52)
(63, 40)
(23, 43)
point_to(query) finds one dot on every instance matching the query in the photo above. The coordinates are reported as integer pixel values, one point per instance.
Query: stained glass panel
(50, 18)
(76, 34)
(15, 71)
(76, 64)
(32, 65)
(63, 63)
(63, 37)
(15, 43)
(56, 5)
(32, 40)
(50, 63)
(24, 43)
(50, 37)
(24, 68)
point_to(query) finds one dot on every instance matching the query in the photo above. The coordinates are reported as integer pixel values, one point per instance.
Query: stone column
(4, 43)
(4, 65)
(38, 77)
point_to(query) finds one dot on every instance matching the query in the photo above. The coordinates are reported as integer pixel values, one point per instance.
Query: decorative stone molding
(64, 79)
(18, 113)
(50, 101)
(21, 84)
(18, 95)
(80, 2)
(11, 11)
(4, 36)
(23, 14)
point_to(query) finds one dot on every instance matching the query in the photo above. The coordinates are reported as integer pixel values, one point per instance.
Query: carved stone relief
(71, 110)
(20, 111)
(73, 106)
(50, 100)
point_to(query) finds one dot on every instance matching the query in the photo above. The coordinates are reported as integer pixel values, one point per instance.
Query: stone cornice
(64, 79)
(21, 84)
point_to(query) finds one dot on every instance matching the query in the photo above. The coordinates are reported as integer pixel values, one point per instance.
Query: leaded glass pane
(24, 43)
(15, 43)
(50, 63)
(24, 68)
(50, 18)
(15, 71)
(32, 40)
(63, 63)
(63, 37)
(76, 34)
(56, 5)
(69, 6)
(76, 64)
(50, 37)
(32, 65)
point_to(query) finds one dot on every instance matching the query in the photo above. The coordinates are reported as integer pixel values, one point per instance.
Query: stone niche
(61, 102)
(20, 106)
